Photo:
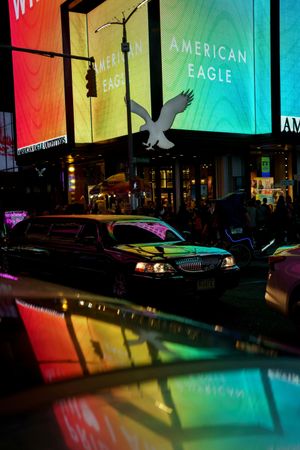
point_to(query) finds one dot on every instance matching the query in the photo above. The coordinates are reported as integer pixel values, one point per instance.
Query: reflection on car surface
(86, 372)
(129, 253)
(283, 285)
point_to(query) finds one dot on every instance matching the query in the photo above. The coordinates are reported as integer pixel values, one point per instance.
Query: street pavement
(243, 309)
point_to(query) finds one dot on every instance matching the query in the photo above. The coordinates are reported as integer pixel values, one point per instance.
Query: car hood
(171, 251)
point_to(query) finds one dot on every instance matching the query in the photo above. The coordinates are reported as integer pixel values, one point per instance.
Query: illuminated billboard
(38, 80)
(289, 66)
(220, 50)
(109, 118)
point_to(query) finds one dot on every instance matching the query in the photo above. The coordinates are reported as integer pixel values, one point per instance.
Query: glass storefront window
(271, 175)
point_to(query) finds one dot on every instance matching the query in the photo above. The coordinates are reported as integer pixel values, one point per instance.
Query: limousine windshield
(142, 232)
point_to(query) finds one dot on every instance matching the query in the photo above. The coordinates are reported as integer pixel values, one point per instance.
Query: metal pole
(131, 169)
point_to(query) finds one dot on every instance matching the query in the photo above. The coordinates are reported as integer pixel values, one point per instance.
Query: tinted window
(143, 232)
(65, 230)
(38, 230)
(19, 229)
(89, 233)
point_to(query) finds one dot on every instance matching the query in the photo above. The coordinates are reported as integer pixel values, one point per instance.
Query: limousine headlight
(228, 261)
(148, 267)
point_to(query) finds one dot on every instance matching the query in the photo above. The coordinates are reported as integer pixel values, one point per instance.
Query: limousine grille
(198, 264)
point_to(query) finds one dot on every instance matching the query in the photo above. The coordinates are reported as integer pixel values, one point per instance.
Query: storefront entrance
(190, 182)
(271, 175)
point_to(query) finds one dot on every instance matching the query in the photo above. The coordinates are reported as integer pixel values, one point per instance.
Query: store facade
(238, 128)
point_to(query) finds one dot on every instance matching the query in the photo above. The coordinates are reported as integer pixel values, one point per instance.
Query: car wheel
(120, 285)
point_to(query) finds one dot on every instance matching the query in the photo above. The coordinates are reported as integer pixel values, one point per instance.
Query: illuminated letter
(219, 52)
(17, 4)
(296, 127)
(102, 65)
(191, 70)
(186, 46)
(174, 44)
(201, 73)
(213, 76)
(286, 126)
(231, 55)
(228, 76)
(206, 50)
(104, 84)
(242, 56)
(197, 48)
(108, 62)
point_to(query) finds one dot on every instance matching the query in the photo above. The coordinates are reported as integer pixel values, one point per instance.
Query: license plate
(236, 230)
(208, 283)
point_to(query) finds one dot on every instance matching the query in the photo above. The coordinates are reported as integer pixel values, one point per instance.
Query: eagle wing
(140, 111)
(172, 107)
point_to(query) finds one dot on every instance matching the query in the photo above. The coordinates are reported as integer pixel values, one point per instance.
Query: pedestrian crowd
(208, 221)
(257, 218)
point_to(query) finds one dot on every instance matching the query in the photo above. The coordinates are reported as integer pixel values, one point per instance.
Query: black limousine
(129, 254)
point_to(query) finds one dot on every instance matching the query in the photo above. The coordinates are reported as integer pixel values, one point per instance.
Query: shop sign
(263, 187)
(265, 166)
(290, 124)
(166, 118)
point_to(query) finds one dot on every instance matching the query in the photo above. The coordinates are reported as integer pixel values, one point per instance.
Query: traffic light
(91, 83)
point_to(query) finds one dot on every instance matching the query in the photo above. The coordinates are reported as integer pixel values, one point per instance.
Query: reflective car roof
(101, 217)
(78, 370)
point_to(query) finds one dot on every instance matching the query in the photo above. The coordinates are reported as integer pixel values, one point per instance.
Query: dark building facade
(238, 132)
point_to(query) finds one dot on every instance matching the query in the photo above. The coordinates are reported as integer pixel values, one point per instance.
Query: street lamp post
(125, 48)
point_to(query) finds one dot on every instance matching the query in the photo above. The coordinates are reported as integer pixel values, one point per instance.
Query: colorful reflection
(218, 410)
(51, 342)
(227, 406)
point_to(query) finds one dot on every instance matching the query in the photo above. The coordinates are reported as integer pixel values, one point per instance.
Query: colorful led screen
(38, 80)
(109, 117)
(219, 49)
(289, 65)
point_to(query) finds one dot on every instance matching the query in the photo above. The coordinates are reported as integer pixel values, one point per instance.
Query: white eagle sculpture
(166, 118)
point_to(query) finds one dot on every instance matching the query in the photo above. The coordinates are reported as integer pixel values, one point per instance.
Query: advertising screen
(289, 66)
(109, 118)
(81, 103)
(38, 80)
(220, 50)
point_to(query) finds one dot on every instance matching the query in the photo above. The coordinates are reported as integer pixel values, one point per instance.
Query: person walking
(252, 217)
(280, 220)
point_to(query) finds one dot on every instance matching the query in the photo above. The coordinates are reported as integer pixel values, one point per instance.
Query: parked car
(87, 372)
(283, 285)
(130, 254)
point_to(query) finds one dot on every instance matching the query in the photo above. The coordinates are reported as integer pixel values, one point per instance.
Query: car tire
(120, 285)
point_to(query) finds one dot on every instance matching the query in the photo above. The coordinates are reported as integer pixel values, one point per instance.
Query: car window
(89, 233)
(65, 230)
(38, 230)
(19, 230)
(143, 232)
